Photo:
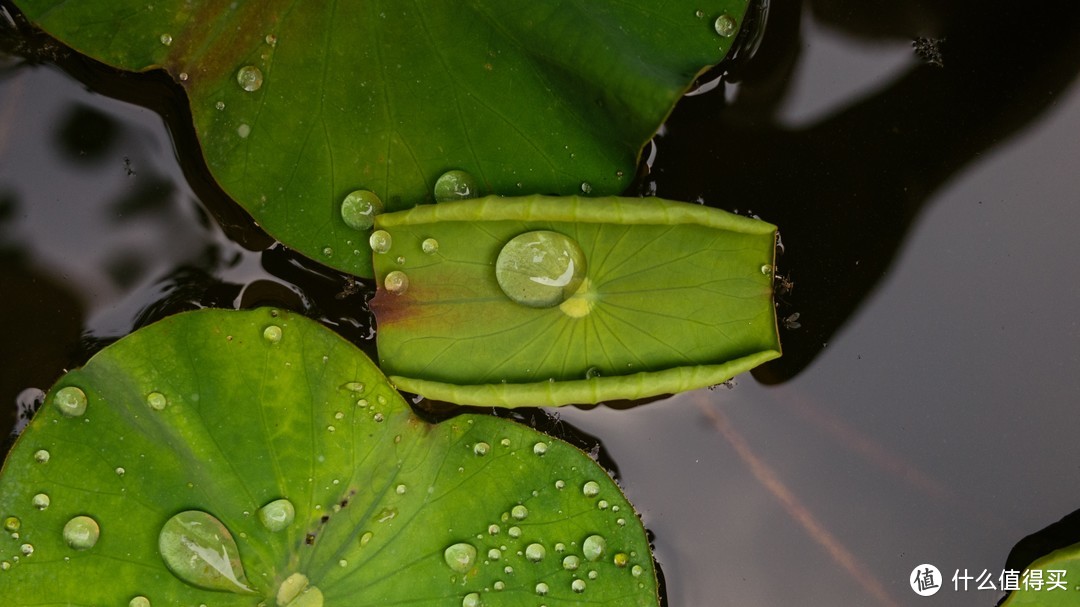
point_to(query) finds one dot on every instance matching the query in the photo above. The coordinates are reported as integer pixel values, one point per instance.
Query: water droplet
(220, 105)
(380, 241)
(12, 524)
(586, 187)
(620, 522)
(593, 547)
(636, 571)
(41, 456)
(591, 489)
(365, 538)
(81, 533)
(499, 585)
(199, 550)
(71, 401)
(621, 559)
(378, 417)
(540, 448)
(594, 574)
(481, 449)
(156, 401)
(249, 78)
(592, 373)
(578, 586)
(602, 504)
(535, 552)
(494, 554)
(699, 14)
(460, 557)
(277, 515)
(328, 251)
(166, 39)
(271, 39)
(243, 130)
(396, 282)
(541, 589)
(726, 26)
(571, 563)
(471, 600)
(430, 246)
(540, 269)
(183, 76)
(514, 532)
(493, 529)
(519, 512)
(455, 185)
(360, 208)
(272, 334)
(767, 270)
(505, 442)
(26, 549)
(40, 501)
(400, 489)
(354, 386)
(295, 591)
(139, 601)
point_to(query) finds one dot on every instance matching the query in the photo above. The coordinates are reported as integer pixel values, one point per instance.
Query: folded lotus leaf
(552, 301)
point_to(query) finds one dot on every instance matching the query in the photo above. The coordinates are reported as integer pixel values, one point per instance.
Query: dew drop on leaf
(12, 524)
(541, 589)
(481, 449)
(199, 550)
(277, 515)
(471, 600)
(535, 552)
(250, 78)
(540, 269)
(519, 512)
(396, 282)
(380, 241)
(81, 533)
(571, 563)
(590, 489)
(359, 209)
(578, 586)
(455, 185)
(726, 26)
(40, 501)
(156, 401)
(430, 246)
(41, 456)
(460, 557)
(139, 601)
(272, 334)
(593, 547)
(71, 401)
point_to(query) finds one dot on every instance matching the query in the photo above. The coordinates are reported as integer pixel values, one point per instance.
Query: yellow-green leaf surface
(672, 297)
(257, 459)
(1049, 582)
(297, 104)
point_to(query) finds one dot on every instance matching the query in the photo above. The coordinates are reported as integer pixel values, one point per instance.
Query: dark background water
(926, 407)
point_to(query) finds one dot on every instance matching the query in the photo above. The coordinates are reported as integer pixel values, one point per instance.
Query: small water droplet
(354, 386)
(378, 417)
(621, 559)
(586, 187)
(430, 246)
(120, 471)
(535, 552)
(71, 401)
(380, 241)
(493, 529)
(166, 39)
(499, 585)
(271, 39)
(139, 601)
(12, 524)
(295, 591)
(328, 251)
(514, 532)
(471, 600)
(359, 209)
(578, 586)
(199, 550)
(365, 538)
(559, 484)
(250, 78)
(396, 282)
(602, 504)
(541, 589)
(592, 373)
(40, 501)
(620, 522)
(400, 489)
(726, 26)
(540, 269)
(571, 562)
(590, 489)
(519, 512)
(157, 401)
(636, 571)
(220, 105)
(460, 557)
(81, 533)
(481, 449)
(594, 574)
(455, 185)
(183, 76)
(540, 448)
(41, 456)
(699, 14)
(272, 334)
(505, 442)
(494, 554)
(277, 515)
(26, 549)
(243, 130)
(593, 547)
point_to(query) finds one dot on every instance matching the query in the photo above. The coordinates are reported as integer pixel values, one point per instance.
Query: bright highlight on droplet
(250, 78)
(359, 209)
(81, 533)
(455, 185)
(540, 269)
(71, 401)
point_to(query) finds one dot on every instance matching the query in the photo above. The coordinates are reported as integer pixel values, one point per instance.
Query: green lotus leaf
(551, 301)
(298, 104)
(255, 458)
(1048, 582)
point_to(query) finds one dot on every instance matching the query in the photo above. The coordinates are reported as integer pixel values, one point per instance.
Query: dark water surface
(927, 406)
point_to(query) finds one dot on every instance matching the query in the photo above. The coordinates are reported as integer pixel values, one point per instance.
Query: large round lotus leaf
(1048, 582)
(255, 458)
(297, 104)
(541, 300)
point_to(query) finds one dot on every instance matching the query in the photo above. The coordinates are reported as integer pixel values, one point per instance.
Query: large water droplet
(726, 25)
(471, 600)
(396, 282)
(430, 246)
(139, 601)
(71, 401)
(360, 208)
(380, 241)
(540, 269)
(249, 78)
(81, 533)
(590, 489)
(41, 456)
(593, 547)
(41, 501)
(519, 512)
(277, 515)
(535, 552)
(156, 401)
(199, 550)
(455, 185)
(460, 557)
(272, 334)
